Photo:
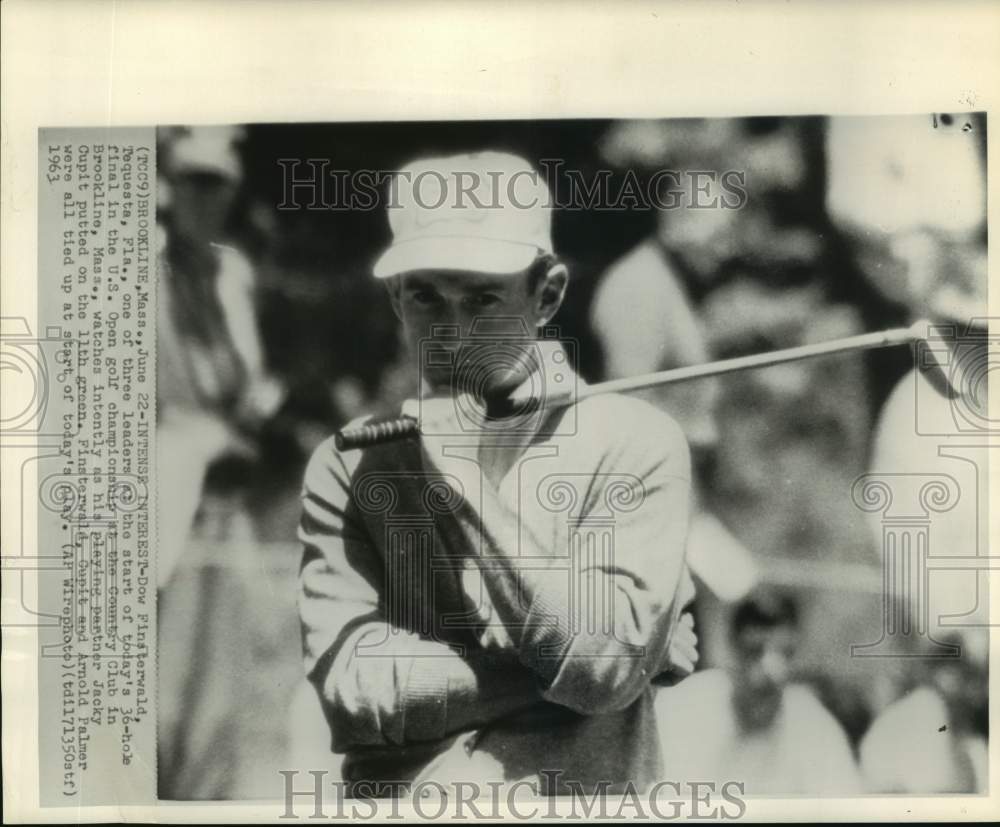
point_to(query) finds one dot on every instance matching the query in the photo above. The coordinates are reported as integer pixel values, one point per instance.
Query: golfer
(498, 599)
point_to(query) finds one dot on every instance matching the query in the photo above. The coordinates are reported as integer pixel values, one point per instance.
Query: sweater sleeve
(593, 616)
(379, 684)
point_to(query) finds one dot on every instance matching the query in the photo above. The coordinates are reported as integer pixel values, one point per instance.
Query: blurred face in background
(495, 317)
(200, 204)
(699, 227)
(762, 668)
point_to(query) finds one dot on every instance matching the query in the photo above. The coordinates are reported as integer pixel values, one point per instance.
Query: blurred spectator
(710, 234)
(213, 391)
(923, 435)
(750, 723)
(934, 738)
(645, 322)
(214, 396)
(793, 437)
(909, 192)
(918, 222)
(648, 312)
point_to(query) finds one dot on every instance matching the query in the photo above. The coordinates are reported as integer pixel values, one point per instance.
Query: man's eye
(484, 300)
(424, 297)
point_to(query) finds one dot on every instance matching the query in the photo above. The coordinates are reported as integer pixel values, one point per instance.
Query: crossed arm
(408, 688)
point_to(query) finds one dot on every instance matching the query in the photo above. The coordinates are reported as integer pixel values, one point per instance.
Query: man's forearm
(493, 687)
(598, 625)
(408, 689)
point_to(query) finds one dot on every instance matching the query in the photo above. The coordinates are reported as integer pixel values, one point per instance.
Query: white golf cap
(489, 212)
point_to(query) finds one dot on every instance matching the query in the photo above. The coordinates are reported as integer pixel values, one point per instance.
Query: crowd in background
(272, 333)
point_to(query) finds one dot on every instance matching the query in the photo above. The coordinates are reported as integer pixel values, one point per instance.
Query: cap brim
(479, 255)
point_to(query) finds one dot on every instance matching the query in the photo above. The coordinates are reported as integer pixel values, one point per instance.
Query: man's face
(201, 205)
(505, 305)
(762, 670)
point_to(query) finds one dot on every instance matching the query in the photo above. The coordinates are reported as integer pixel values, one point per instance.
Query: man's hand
(682, 654)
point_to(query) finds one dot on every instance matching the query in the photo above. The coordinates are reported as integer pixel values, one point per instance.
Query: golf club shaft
(406, 427)
(865, 341)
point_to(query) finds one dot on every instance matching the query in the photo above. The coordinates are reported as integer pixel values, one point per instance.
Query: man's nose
(466, 322)
(446, 324)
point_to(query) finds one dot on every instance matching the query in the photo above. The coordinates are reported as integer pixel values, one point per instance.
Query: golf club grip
(377, 433)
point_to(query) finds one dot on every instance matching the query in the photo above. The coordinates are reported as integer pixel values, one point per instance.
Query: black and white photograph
(578, 453)
(493, 412)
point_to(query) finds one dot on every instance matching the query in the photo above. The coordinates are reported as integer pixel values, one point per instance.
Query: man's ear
(394, 287)
(550, 293)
